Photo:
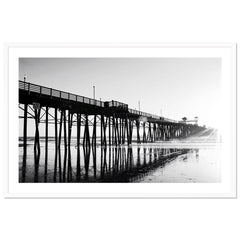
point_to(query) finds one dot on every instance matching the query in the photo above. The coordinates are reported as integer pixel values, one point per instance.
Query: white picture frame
(225, 189)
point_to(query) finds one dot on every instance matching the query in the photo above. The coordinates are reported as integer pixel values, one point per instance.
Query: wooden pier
(111, 121)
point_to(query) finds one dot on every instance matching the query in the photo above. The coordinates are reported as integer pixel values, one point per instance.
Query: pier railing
(30, 87)
(54, 93)
(144, 114)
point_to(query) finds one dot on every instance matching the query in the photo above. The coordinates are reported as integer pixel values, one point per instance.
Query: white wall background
(69, 21)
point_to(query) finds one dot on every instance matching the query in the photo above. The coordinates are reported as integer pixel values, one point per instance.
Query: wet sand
(196, 159)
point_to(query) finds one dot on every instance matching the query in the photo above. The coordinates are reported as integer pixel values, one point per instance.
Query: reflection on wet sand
(100, 164)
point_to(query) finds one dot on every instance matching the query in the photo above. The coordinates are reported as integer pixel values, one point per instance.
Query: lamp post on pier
(94, 92)
(24, 79)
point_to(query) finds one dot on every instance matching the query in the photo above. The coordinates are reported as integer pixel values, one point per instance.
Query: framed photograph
(121, 121)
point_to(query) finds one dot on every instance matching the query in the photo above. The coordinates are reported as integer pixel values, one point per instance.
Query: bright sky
(176, 86)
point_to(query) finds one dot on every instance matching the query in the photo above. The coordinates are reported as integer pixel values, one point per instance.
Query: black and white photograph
(119, 120)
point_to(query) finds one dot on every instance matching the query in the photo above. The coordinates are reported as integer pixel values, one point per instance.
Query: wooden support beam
(127, 128)
(36, 144)
(46, 146)
(78, 146)
(130, 131)
(138, 131)
(69, 170)
(94, 161)
(94, 134)
(94, 137)
(102, 121)
(56, 145)
(105, 131)
(65, 144)
(154, 132)
(117, 132)
(149, 135)
(24, 143)
(144, 132)
(59, 148)
(113, 130)
(109, 130)
(122, 131)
